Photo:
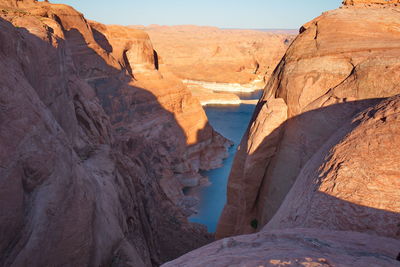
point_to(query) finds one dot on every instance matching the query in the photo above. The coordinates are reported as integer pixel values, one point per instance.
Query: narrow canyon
(199, 146)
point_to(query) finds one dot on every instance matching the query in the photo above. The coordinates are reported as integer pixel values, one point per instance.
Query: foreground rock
(295, 247)
(352, 181)
(92, 152)
(328, 75)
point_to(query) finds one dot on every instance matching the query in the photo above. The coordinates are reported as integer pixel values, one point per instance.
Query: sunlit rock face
(342, 63)
(132, 48)
(211, 54)
(96, 144)
(209, 59)
(18, 3)
(369, 2)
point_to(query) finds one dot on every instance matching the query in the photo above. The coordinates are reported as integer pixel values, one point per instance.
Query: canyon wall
(96, 144)
(343, 209)
(144, 109)
(317, 173)
(329, 74)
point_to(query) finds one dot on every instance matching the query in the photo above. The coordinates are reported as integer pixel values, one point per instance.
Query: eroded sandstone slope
(95, 144)
(317, 174)
(121, 65)
(343, 209)
(341, 63)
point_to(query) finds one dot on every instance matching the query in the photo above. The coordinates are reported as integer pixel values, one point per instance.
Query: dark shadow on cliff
(332, 213)
(101, 39)
(299, 137)
(147, 133)
(143, 131)
(156, 59)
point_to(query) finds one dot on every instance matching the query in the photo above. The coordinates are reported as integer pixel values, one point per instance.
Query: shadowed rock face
(120, 64)
(341, 57)
(91, 150)
(192, 146)
(295, 247)
(352, 182)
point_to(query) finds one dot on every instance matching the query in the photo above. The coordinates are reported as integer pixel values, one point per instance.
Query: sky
(245, 14)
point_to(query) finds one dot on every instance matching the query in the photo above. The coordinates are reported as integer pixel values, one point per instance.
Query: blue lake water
(231, 122)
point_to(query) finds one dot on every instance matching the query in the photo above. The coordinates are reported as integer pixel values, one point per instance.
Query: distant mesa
(229, 60)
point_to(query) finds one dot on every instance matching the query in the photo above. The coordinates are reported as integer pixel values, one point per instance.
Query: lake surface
(231, 122)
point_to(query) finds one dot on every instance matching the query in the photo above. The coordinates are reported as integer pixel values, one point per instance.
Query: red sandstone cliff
(94, 143)
(189, 143)
(121, 65)
(317, 173)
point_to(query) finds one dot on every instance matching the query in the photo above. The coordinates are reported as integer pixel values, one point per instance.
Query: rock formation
(343, 209)
(328, 75)
(96, 144)
(352, 182)
(317, 174)
(19, 3)
(207, 97)
(294, 247)
(370, 2)
(199, 148)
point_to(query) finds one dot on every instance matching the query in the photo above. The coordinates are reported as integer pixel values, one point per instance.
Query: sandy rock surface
(295, 247)
(342, 63)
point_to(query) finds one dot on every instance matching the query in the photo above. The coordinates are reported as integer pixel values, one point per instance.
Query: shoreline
(227, 87)
(207, 94)
(229, 102)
